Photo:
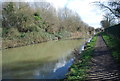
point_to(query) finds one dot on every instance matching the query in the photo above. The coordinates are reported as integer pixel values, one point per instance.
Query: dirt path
(102, 64)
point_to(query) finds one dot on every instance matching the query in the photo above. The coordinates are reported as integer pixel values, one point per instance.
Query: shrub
(13, 32)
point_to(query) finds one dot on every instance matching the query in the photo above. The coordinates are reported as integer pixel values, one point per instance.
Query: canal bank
(30, 38)
(78, 70)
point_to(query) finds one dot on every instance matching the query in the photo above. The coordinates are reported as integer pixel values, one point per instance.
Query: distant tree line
(25, 17)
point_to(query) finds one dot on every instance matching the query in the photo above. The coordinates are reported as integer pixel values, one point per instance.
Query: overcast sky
(88, 12)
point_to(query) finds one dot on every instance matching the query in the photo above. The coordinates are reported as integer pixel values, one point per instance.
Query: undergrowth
(114, 46)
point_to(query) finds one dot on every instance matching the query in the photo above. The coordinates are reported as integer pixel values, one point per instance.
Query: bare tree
(112, 5)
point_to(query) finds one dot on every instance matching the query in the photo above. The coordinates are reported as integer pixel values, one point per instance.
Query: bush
(4, 32)
(37, 18)
(12, 32)
(33, 28)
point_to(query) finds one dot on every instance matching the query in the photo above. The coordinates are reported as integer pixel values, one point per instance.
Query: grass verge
(79, 69)
(114, 46)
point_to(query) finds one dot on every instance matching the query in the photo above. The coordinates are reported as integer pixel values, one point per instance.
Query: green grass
(79, 68)
(114, 46)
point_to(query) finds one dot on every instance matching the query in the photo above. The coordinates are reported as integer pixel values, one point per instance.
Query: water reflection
(41, 61)
(53, 70)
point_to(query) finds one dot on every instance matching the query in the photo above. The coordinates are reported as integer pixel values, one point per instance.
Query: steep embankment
(22, 39)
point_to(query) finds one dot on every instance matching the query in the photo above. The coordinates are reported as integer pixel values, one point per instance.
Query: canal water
(48, 60)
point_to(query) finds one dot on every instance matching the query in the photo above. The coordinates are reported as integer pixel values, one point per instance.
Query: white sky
(89, 13)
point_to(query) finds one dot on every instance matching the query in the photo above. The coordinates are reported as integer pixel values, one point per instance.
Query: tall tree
(112, 5)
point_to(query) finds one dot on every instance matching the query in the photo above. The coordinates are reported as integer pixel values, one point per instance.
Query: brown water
(49, 60)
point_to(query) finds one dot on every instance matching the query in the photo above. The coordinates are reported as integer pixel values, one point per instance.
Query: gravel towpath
(103, 67)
